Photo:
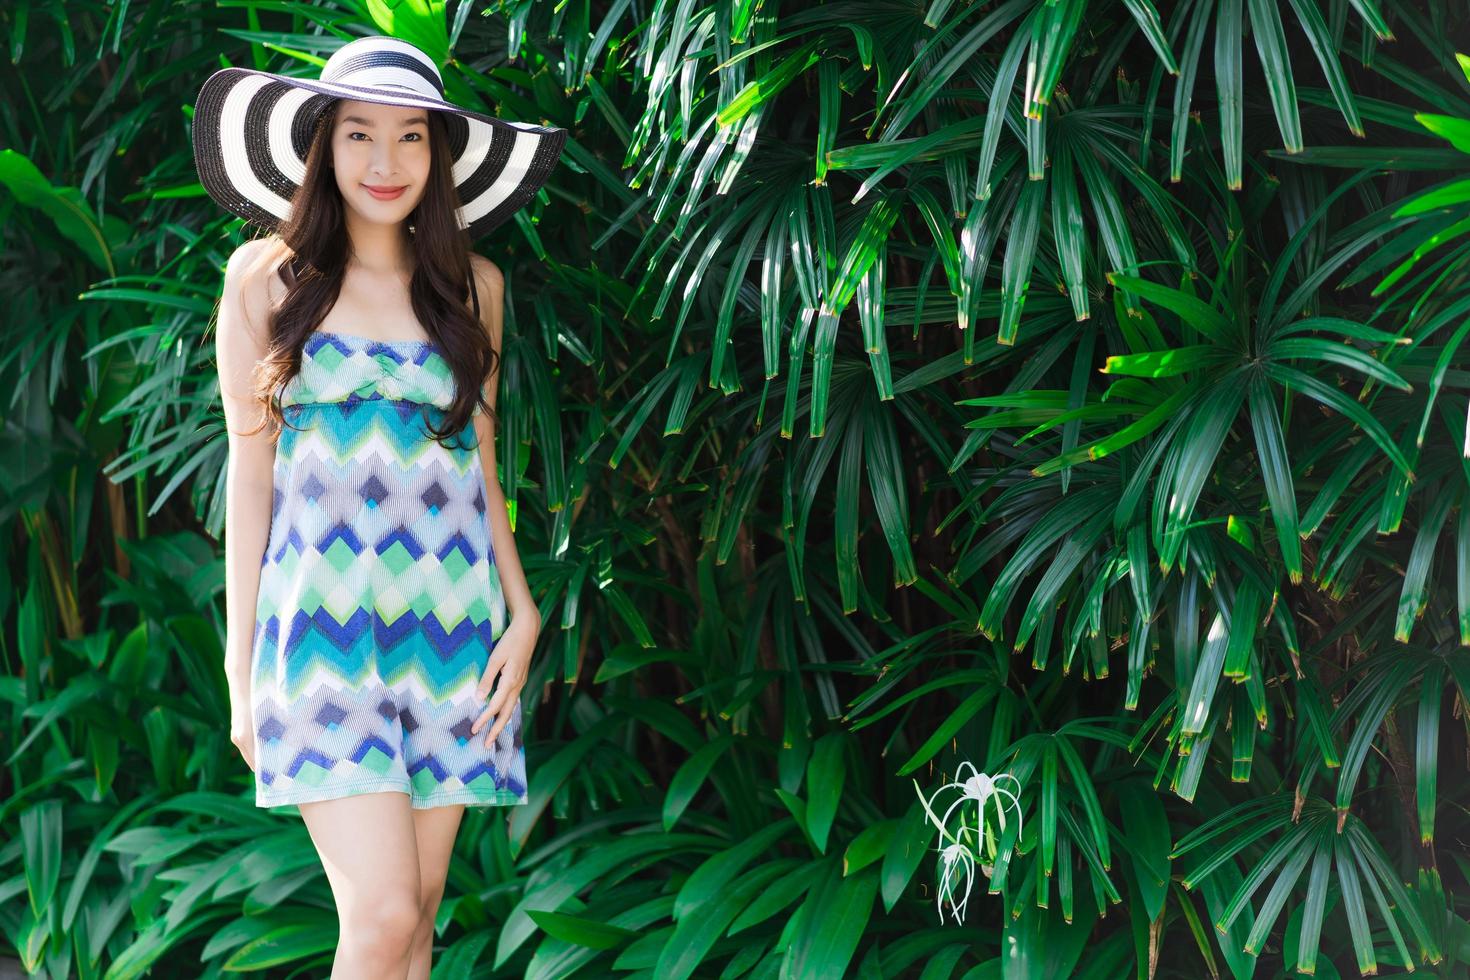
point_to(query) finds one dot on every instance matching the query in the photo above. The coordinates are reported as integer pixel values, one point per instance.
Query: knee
(383, 928)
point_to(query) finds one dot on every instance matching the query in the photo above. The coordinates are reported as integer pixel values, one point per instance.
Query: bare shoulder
(490, 287)
(486, 271)
(252, 289)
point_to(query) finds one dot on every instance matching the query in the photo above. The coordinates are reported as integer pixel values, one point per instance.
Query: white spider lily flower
(956, 857)
(954, 860)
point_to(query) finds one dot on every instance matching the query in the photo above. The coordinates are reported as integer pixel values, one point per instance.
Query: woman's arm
(491, 284)
(240, 342)
(510, 661)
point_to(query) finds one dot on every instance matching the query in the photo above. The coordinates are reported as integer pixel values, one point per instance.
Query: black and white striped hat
(252, 130)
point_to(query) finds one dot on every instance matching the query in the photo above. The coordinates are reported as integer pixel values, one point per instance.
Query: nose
(384, 161)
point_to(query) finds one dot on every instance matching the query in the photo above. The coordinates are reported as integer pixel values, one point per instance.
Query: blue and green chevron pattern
(379, 599)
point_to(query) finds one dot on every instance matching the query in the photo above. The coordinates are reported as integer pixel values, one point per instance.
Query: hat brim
(252, 130)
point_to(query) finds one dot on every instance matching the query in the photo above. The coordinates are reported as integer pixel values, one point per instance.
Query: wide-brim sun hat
(252, 131)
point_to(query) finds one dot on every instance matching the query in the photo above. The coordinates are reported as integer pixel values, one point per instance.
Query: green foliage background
(1073, 389)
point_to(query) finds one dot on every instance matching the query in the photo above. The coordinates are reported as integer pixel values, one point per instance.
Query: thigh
(368, 848)
(435, 829)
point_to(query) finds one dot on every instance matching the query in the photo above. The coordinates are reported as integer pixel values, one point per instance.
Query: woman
(380, 627)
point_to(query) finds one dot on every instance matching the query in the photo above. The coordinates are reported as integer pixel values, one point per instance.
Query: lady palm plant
(889, 390)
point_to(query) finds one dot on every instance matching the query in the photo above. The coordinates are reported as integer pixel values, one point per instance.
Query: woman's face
(382, 147)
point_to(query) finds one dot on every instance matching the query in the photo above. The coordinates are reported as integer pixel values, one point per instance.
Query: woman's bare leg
(434, 832)
(368, 848)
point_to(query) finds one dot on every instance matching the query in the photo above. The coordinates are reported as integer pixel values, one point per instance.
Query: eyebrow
(411, 120)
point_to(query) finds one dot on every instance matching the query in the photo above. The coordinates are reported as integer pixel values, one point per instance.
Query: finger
(495, 732)
(487, 680)
(498, 708)
(508, 690)
(496, 705)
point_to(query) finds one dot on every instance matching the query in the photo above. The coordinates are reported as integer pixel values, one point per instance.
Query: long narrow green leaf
(1369, 718)
(888, 484)
(1336, 400)
(1324, 47)
(998, 111)
(1059, 31)
(1291, 870)
(768, 85)
(1426, 749)
(1462, 571)
(1126, 436)
(862, 253)
(1190, 310)
(939, 72)
(1230, 85)
(1167, 363)
(1415, 592)
(1371, 854)
(1356, 911)
(1049, 790)
(1270, 39)
(1147, 17)
(1068, 231)
(1276, 474)
(1195, 13)
(1292, 846)
(1211, 420)
(1016, 268)
(1206, 677)
(966, 710)
(1327, 351)
(1314, 910)
(1442, 363)
(1087, 793)
(1243, 621)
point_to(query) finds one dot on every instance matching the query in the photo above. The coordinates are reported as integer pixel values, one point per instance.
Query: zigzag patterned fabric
(379, 599)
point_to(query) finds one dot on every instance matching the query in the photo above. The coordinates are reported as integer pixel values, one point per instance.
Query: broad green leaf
(837, 914)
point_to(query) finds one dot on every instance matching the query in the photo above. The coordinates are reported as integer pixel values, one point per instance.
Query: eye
(416, 136)
(355, 132)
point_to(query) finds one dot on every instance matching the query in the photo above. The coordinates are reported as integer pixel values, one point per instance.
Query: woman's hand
(242, 726)
(511, 660)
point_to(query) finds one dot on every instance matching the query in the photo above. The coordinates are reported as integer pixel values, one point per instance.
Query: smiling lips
(385, 193)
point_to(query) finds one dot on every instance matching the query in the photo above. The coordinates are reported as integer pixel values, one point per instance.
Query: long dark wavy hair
(310, 256)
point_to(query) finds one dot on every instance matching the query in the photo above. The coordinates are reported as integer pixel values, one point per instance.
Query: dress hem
(469, 797)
